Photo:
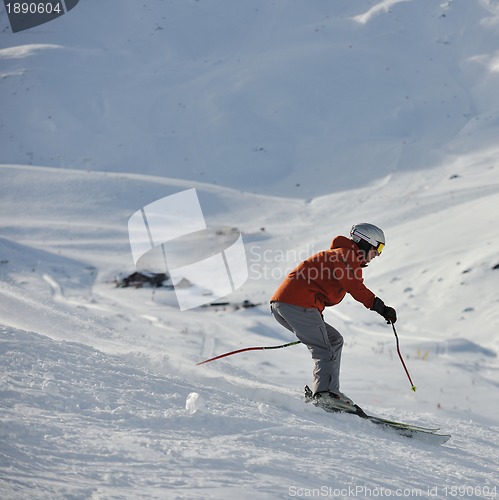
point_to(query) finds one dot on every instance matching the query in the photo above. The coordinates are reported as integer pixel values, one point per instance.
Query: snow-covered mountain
(292, 120)
(296, 99)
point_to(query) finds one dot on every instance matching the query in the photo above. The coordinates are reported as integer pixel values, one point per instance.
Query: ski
(412, 431)
(379, 420)
(428, 434)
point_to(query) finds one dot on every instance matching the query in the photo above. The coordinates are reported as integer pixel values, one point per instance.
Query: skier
(323, 280)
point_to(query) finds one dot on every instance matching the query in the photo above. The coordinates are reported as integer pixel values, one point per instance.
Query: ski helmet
(369, 233)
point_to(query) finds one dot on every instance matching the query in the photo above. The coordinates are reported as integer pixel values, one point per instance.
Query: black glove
(387, 312)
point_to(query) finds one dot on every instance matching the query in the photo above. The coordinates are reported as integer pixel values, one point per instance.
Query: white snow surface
(292, 120)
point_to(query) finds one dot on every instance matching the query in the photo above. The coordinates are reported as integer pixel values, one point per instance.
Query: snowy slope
(291, 123)
(96, 378)
(82, 424)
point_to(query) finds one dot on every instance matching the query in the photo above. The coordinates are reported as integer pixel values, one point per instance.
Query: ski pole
(263, 348)
(413, 387)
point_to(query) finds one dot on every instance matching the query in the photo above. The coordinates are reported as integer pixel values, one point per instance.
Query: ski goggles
(379, 248)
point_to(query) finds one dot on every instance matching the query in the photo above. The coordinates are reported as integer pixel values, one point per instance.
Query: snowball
(195, 402)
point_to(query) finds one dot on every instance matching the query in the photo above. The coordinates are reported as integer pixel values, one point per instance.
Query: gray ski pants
(323, 341)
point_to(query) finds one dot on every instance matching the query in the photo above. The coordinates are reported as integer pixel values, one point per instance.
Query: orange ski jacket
(325, 278)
